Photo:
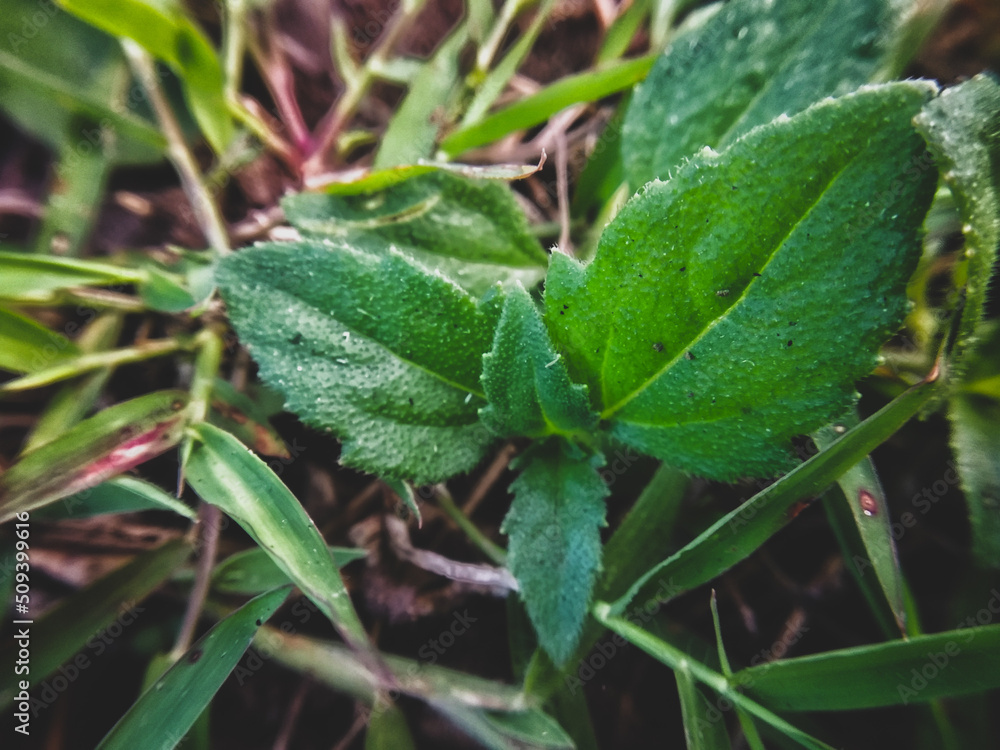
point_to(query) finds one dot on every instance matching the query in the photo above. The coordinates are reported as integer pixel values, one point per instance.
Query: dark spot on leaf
(683, 269)
(690, 394)
(746, 410)
(194, 656)
(658, 346)
(756, 274)
(296, 339)
(789, 342)
(562, 312)
(793, 322)
(565, 307)
(410, 400)
(868, 503)
(259, 622)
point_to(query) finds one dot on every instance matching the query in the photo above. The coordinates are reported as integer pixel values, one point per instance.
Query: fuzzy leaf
(752, 61)
(526, 384)
(725, 313)
(555, 543)
(394, 375)
(962, 128)
(470, 230)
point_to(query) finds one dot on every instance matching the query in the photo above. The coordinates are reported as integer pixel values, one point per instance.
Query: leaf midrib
(354, 331)
(609, 411)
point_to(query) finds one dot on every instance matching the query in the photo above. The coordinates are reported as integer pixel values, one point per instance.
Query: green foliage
(699, 340)
(729, 309)
(749, 63)
(471, 231)
(170, 707)
(555, 543)
(396, 375)
(525, 381)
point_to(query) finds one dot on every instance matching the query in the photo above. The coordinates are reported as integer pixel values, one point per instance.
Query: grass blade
(739, 533)
(224, 473)
(923, 668)
(254, 572)
(168, 709)
(117, 439)
(678, 660)
(535, 109)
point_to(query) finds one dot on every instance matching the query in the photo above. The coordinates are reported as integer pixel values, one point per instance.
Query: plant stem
(87, 362)
(205, 210)
(357, 83)
(208, 527)
(491, 550)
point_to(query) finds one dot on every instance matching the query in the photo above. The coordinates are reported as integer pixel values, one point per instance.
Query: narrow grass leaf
(113, 441)
(923, 668)
(676, 659)
(387, 730)
(394, 374)
(169, 708)
(537, 108)
(704, 725)
(751, 62)
(866, 499)
(123, 494)
(554, 526)
(66, 93)
(413, 129)
(224, 473)
(699, 339)
(737, 534)
(975, 437)
(239, 414)
(165, 32)
(81, 618)
(254, 571)
(27, 346)
(504, 730)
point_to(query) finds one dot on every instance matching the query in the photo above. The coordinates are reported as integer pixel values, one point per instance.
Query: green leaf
(79, 619)
(162, 29)
(975, 436)
(169, 708)
(677, 660)
(710, 327)
(119, 495)
(504, 730)
(253, 571)
(115, 440)
(63, 81)
(555, 540)
(224, 473)
(412, 131)
(373, 347)
(387, 730)
(27, 278)
(752, 61)
(27, 346)
(737, 534)
(962, 128)
(537, 108)
(526, 384)
(923, 668)
(470, 230)
(704, 724)
(239, 414)
(865, 497)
